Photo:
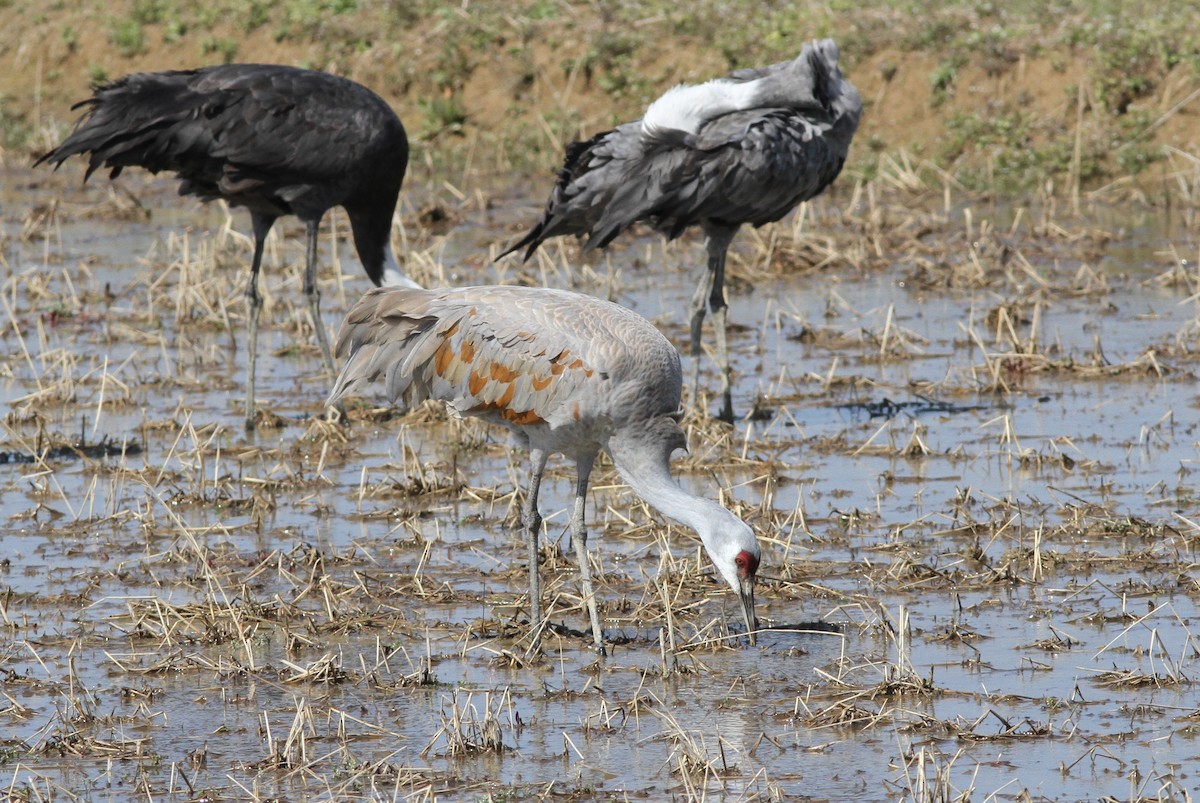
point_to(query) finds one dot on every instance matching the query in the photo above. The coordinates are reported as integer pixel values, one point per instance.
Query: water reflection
(1008, 525)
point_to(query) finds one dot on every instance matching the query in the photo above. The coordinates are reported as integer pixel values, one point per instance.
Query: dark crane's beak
(746, 598)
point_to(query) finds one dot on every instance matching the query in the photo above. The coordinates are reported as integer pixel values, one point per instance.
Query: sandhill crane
(567, 373)
(742, 149)
(276, 140)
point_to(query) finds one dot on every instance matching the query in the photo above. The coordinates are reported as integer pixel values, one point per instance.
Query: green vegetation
(174, 30)
(128, 37)
(942, 83)
(148, 12)
(15, 129)
(442, 115)
(70, 38)
(303, 19)
(1018, 151)
(223, 48)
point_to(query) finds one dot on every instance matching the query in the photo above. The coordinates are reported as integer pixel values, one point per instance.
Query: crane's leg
(314, 296)
(710, 294)
(262, 227)
(699, 308)
(579, 539)
(533, 525)
(720, 311)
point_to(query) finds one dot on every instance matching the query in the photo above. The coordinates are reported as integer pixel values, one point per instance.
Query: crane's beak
(746, 598)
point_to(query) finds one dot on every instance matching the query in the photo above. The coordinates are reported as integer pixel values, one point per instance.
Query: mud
(969, 447)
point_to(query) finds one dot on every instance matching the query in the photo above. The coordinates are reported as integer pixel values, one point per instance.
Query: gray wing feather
(746, 167)
(522, 356)
(380, 336)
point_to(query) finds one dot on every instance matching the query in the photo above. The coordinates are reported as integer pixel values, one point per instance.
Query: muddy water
(977, 489)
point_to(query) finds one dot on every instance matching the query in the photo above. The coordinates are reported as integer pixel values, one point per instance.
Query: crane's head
(812, 82)
(734, 551)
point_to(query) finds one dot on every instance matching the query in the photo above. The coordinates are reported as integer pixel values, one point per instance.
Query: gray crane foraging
(747, 148)
(276, 140)
(567, 373)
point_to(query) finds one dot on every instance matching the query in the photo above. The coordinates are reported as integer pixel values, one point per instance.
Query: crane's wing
(285, 124)
(520, 356)
(747, 167)
(744, 167)
(237, 126)
(742, 149)
(592, 173)
(127, 122)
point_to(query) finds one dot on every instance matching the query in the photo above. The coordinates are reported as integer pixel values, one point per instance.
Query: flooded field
(969, 445)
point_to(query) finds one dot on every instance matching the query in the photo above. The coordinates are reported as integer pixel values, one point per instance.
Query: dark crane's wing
(743, 149)
(128, 122)
(747, 167)
(592, 175)
(283, 125)
(236, 128)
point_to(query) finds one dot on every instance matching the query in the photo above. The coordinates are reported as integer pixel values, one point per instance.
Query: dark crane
(276, 140)
(742, 149)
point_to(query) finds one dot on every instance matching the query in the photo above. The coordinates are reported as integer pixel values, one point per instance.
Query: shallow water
(978, 558)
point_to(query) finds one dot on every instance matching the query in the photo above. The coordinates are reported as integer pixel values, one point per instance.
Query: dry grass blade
(466, 730)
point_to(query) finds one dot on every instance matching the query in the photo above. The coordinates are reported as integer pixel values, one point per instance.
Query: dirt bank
(1003, 101)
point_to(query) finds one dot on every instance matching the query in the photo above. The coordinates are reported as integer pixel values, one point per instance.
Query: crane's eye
(746, 563)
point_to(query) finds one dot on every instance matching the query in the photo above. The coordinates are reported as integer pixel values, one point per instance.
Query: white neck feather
(686, 107)
(647, 471)
(393, 276)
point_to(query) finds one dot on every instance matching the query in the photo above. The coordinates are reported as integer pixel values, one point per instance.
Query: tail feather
(144, 120)
(559, 216)
(386, 334)
(530, 242)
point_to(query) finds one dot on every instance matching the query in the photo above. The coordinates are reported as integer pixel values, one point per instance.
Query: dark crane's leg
(583, 465)
(314, 295)
(710, 294)
(262, 224)
(533, 525)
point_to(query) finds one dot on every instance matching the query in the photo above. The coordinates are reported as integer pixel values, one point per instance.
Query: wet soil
(968, 442)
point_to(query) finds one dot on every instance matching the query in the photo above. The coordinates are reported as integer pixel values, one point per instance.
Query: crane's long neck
(642, 453)
(645, 467)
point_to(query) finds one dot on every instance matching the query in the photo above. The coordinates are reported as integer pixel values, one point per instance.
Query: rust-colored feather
(520, 356)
